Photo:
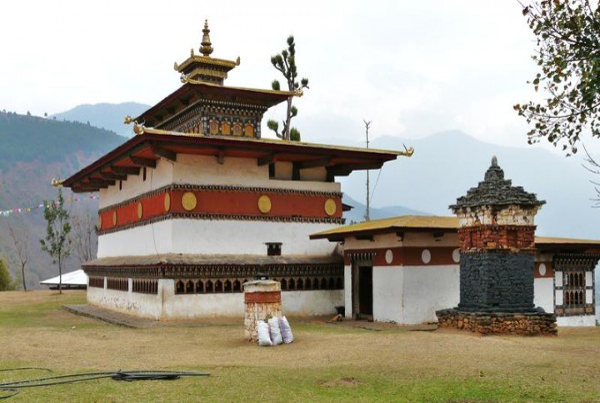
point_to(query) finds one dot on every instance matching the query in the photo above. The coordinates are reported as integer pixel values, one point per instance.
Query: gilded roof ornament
(57, 182)
(206, 49)
(137, 128)
(408, 151)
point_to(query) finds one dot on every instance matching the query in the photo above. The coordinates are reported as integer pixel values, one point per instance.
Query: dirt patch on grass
(347, 382)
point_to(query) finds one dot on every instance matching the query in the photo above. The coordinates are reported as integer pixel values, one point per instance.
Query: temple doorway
(362, 287)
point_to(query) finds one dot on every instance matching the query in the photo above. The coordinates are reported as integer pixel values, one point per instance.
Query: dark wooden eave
(143, 151)
(189, 93)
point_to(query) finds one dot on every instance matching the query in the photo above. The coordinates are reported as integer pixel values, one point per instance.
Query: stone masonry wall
(496, 280)
(527, 324)
(497, 237)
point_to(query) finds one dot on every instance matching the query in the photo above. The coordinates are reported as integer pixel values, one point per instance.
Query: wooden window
(574, 294)
(248, 130)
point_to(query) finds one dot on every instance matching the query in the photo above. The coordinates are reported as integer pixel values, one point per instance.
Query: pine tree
(285, 62)
(57, 242)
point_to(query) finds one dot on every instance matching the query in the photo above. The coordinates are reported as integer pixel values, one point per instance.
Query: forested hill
(33, 151)
(30, 138)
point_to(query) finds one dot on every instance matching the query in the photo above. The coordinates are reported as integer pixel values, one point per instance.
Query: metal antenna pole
(367, 215)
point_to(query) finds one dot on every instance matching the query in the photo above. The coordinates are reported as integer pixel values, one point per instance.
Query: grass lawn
(325, 362)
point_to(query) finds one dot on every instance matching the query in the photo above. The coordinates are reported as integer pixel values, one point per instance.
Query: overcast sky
(412, 67)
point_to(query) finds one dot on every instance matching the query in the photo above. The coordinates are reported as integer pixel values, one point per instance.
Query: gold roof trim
(408, 221)
(207, 72)
(186, 80)
(151, 130)
(574, 241)
(206, 60)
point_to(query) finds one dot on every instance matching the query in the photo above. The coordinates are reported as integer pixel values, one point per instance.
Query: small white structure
(400, 269)
(72, 280)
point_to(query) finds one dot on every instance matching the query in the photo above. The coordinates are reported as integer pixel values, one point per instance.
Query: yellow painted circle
(140, 210)
(264, 204)
(167, 202)
(189, 201)
(330, 207)
(114, 218)
(99, 221)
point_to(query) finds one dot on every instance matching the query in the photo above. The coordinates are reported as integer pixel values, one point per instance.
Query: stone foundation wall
(526, 324)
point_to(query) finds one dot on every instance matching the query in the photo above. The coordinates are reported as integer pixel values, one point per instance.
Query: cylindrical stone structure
(262, 299)
(497, 247)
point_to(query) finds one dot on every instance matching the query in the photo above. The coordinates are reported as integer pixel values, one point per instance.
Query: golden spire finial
(206, 49)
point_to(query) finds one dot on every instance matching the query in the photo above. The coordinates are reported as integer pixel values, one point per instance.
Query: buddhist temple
(198, 203)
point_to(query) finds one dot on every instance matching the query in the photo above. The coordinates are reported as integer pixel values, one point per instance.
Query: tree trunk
(59, 276)
(288, 120)
(23, 276)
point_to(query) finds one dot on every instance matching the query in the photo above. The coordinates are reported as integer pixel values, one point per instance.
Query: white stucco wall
(574, 321)
(410, 239)
(543, 293)
(348, 291)
(155, 238)
(215, 237)
(388, 285)
(168, 305)
(409, 294)
(311, 303)
(205, 170)
(428, 289)
(142, 305)
(135, 185)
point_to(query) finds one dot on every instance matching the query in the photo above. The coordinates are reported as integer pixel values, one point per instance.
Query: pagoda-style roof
(413, 223)
(145, 149)
(203, 77)
(192, 92)
(495, 191)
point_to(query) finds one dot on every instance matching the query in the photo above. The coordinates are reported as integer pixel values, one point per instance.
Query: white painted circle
(456, 255)
(542, 269)
(426, 256)
(389, 256)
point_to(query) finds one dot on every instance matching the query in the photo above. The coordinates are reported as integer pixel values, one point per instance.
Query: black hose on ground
(12, 388)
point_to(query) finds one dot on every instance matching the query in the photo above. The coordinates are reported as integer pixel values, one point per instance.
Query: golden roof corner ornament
(137, 128)
(128, 119)
(184, 78)
(57, 182)
(298, 92)
(237, 61)
(206, 47)
(175, 66)
(408, 151)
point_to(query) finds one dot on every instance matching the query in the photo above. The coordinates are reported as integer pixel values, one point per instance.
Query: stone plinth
(525, 324)
(262, 299)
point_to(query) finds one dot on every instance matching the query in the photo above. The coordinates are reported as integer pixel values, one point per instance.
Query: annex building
(486, 260)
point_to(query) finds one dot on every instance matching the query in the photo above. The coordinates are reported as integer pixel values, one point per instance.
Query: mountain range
(106, 116)
(447, 164)
(34, 151)
(444, 166)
